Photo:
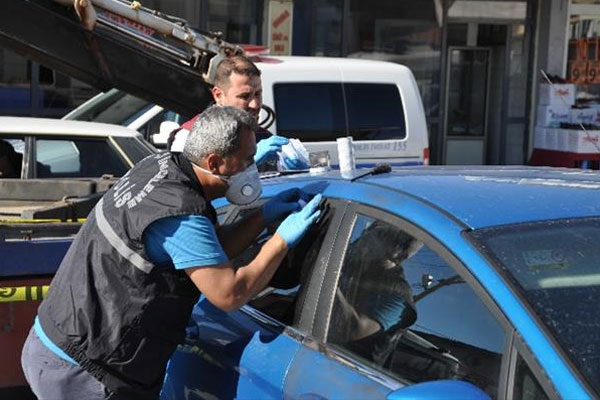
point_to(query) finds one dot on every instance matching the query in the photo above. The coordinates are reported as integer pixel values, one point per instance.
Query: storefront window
(400, 32)
(237, 19)
(56, 93)
(583, 61)
(327, 30)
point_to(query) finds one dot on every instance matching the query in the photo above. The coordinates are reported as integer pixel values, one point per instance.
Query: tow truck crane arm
(114, 43)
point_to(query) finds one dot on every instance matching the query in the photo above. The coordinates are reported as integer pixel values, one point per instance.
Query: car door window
(116, 109)
(11, 158)
(152, 126)
(135, 148)
(527, 386)
(282, 299)
(57, 158)
(402, 308)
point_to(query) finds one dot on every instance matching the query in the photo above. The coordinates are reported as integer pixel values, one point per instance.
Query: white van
(316, 100)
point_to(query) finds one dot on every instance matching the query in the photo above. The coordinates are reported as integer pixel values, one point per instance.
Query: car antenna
(378, 169)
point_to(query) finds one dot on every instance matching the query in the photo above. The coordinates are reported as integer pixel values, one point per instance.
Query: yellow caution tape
(23, 293)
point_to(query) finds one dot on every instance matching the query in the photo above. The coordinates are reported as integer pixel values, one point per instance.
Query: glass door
(486, 116)
(468, 81)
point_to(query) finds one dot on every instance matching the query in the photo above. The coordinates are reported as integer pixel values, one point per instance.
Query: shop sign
(578, 71)
(593, 72)
(280, 27)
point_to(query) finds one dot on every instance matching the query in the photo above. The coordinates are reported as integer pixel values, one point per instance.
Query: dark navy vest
(108, 306)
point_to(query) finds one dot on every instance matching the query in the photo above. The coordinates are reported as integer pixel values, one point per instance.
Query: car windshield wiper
(376, 170)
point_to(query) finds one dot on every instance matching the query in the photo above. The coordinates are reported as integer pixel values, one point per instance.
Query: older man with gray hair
(122, 296)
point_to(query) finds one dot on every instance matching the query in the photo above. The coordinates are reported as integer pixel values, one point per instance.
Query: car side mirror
(445, 389)
(166, 127)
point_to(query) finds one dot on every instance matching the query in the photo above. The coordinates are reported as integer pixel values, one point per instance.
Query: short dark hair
(239, 64)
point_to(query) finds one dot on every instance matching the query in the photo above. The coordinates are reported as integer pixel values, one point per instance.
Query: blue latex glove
(283, 203)
(268, 147)
(293, 228)
(294, 163)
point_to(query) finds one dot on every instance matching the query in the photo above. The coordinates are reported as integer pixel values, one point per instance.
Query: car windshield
(112, 107)
(556, 267)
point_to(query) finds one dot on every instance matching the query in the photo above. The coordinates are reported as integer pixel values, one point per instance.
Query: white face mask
(244, 187)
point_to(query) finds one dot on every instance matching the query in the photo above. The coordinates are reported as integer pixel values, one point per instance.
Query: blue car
(418, 283)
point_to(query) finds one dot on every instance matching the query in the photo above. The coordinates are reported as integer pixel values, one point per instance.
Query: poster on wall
(280, 27)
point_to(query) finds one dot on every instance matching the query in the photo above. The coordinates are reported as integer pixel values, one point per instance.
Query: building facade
(477, 63)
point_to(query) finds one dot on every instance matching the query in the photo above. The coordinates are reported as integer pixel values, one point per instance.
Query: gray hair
(218, 130)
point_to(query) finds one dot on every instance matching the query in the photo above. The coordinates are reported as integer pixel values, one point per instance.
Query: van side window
(312, 112)
(319, 112)
(375, 111)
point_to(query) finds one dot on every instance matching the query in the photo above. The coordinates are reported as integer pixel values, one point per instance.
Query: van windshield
(554, 265)
(318, 112)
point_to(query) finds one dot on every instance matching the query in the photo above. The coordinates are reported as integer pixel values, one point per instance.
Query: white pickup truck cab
(315, 99)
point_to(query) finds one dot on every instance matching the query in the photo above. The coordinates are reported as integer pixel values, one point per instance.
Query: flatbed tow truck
(108, 44)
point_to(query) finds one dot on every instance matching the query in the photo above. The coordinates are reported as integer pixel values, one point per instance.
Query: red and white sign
(557, 94)
(280, 27)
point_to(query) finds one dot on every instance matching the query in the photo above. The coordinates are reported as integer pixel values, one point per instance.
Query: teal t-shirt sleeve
(48, 343)
(187, 240)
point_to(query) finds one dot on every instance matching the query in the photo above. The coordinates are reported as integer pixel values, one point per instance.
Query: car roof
(47, 126)
(485, 196)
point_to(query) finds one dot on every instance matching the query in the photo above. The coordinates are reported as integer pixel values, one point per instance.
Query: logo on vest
(123, 193)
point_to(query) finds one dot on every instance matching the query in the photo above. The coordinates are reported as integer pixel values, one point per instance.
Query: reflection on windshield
(556, 266)
(112, 107)
(403, 309)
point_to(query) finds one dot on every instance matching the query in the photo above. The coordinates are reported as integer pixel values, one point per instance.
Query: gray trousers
(52, 378)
